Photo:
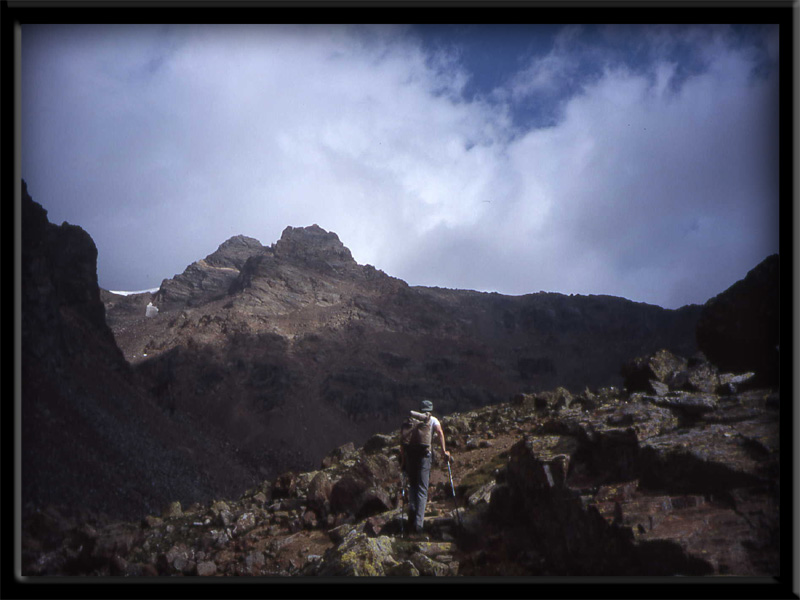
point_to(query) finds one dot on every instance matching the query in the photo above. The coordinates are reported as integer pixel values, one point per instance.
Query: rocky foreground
(677, 473)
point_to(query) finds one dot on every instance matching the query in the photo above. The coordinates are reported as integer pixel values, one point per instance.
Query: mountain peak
(313, 243)
(234, 252)
(238, 241)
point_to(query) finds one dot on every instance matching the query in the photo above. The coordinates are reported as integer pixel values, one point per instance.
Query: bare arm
(437, 428)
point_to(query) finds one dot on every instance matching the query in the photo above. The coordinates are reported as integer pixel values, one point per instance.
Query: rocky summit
(243, 420)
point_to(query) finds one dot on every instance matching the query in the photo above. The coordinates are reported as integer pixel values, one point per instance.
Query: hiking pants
(418, 469)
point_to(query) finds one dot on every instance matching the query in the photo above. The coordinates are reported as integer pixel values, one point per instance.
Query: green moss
(366, 556)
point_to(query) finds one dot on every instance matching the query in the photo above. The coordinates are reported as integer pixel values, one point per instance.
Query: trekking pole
(453, 489)
(403, 516)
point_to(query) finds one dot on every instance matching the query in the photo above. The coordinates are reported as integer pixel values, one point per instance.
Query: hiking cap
(426, 406)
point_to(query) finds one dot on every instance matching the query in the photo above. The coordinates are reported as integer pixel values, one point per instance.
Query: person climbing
(416, 455)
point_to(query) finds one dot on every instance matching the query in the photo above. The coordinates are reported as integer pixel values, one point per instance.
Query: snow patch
(150, 291)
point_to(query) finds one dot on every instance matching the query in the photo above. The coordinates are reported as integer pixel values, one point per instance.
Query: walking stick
(453, 489)
(404, 515)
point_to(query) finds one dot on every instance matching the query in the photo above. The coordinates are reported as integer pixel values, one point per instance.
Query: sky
(638, 161)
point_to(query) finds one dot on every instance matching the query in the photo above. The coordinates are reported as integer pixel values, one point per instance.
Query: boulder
(373, 501)
(663, 371)
(687, 403)
(346, 494)
(661, 367)
(244, 523)
(483, 494)
(427, 566)
(172, 510)
(319, 494)
(379, 442)
(404, 569)
(285, 485)
(336, 456)
(206, 568)
(703, 376)
(180, 558)
(358, 555)
(730, 383)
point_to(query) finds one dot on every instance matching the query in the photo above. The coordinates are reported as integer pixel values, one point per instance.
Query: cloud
(657, 192)
(551, 73)
(648, 179)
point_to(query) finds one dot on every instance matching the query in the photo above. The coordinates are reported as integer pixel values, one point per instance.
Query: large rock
(654, 485)
(359, 555)
(314, 246)
(664, 373)
(661, 367)
(319, 494)
(361, 489)
(739, 330)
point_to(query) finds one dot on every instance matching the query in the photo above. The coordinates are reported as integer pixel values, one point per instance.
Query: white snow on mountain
(150, 291)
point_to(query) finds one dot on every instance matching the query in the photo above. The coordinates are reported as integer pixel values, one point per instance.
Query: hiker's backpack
(416, 431)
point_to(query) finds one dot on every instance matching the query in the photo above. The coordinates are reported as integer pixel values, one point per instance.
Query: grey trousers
(418, 469)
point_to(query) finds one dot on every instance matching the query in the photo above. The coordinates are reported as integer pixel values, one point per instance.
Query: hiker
(415, 459)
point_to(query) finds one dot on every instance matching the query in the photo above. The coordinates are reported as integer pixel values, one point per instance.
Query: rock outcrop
(640, 487)
(663, 371)
(314, 247)
(211, 278)
(739, 330)
(92, 440)
(60, 293)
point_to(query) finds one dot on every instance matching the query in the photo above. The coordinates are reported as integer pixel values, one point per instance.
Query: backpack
(416, 430)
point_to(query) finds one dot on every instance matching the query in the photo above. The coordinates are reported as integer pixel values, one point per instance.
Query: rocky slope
(683, 481)
(294, 348)
(740, 328)
(675, 470)
(92, 439)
